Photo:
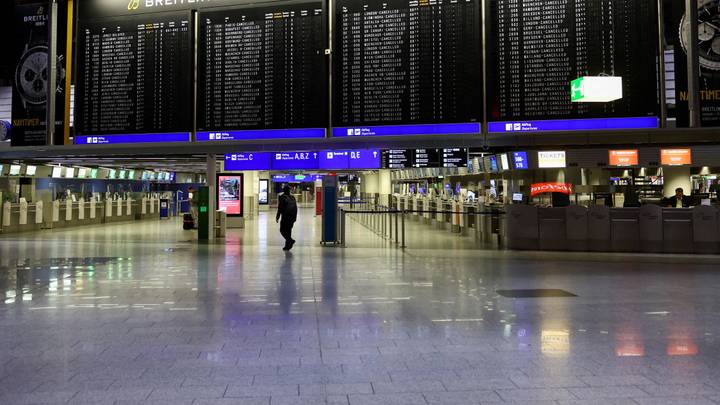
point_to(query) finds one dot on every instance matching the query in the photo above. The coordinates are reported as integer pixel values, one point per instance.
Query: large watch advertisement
(677, 31)
(30, 79)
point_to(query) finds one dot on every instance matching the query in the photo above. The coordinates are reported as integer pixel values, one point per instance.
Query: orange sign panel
(624, 157)
(675, 157)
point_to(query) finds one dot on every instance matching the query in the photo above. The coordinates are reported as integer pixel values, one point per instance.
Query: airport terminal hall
(360, 202)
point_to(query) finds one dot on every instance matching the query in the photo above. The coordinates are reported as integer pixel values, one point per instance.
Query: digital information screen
(520, 161)
(134, 80)
(407, 67)
(536, 48)
(262, 73)
(230, 194)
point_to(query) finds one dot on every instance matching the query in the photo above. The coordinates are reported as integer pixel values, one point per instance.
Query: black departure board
(537, 47)
(262, 68)
(406, 62)
(134, 75)
(424, 158)
(397, 158)
(455, 157)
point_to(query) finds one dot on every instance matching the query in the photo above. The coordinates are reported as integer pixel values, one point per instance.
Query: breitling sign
(112, 8)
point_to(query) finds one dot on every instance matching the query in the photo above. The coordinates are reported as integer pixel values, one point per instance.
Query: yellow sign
(133, 5)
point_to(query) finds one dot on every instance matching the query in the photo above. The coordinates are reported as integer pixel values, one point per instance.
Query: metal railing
(389, 223)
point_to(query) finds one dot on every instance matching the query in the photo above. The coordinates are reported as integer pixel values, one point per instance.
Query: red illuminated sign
(541, 188)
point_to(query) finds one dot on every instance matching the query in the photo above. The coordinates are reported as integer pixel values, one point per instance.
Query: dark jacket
(287, 208)
(686, 201)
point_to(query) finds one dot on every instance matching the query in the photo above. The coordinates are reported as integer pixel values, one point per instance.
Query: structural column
(212, 194)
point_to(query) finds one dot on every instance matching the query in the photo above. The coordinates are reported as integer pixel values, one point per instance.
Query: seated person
(679, 200)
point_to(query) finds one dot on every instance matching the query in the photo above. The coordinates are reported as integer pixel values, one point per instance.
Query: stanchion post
(403, 230)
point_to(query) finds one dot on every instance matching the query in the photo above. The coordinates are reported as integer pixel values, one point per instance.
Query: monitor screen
(30, 170)
(57, 172)
(94, 173)
(112, 174)
(82, 173)
(123, 174)
(69, 172)
(14, 170)
(517, 197)
(1, 170)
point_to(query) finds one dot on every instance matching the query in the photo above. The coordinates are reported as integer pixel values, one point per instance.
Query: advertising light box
(69, 172)
(263, 192)
(295, 161)
(57, 172)
(230, 194)
(14, 170)
(551, 160)
(621, 158)
(247, 161)
(676, 157)
(30, 170)
(82, 173)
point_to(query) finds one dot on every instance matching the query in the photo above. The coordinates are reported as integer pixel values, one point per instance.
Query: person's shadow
(287, 291)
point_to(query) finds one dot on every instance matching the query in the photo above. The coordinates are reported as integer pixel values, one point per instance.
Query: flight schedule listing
(262, 68)
(407, 62)
(134, 75)
(537, 47)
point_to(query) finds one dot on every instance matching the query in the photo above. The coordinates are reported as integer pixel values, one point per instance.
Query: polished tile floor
(139, 314)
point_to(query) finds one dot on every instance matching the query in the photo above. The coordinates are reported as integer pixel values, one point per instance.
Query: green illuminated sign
(203, 209)
(576, 90)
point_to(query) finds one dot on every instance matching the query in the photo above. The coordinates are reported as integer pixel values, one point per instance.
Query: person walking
(193, 200)
(287, 210)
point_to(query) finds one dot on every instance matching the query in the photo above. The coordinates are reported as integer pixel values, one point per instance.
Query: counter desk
(649, 228)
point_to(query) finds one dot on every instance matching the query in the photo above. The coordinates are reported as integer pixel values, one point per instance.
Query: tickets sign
(542, 188)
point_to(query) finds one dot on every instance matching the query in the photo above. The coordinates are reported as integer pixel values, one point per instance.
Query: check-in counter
(149, 208)
(427, 215)
(649, 228)
(118, 210)
(21, 217)
(415, 206)
(551, 228)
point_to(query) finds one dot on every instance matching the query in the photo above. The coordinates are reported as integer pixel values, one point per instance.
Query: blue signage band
(293, 133)
(420, 129)
(132, 138)
(587, 124)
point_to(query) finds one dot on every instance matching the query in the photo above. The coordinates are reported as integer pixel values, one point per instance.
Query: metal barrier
(379, 220)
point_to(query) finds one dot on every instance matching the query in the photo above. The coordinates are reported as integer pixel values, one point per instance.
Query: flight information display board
(134, 78)
(407, 67)
(262, 70)
(537, 47)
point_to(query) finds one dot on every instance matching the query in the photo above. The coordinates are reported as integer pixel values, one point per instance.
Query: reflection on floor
(138, 313)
